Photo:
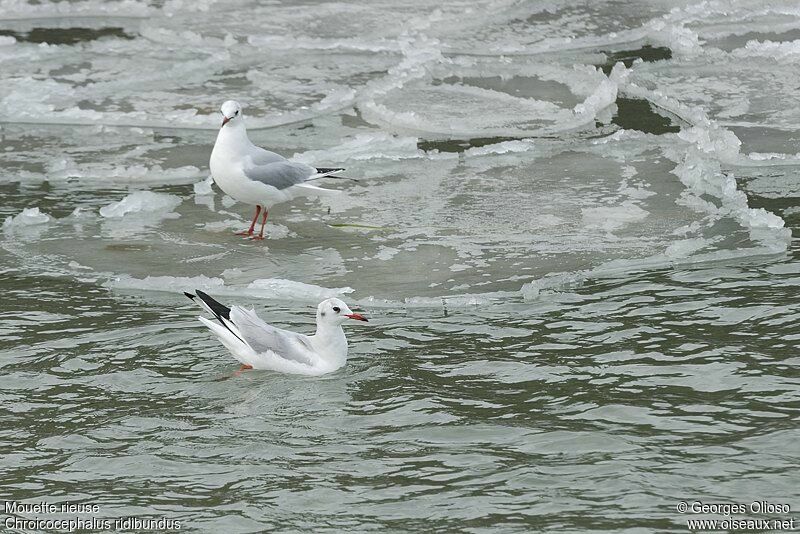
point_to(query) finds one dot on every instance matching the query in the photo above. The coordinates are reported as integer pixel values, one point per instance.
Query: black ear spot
(337, 309)
(322, 314)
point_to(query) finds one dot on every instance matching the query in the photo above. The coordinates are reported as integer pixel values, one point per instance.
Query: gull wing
(280, 174)
(264, 157)
(263, 337)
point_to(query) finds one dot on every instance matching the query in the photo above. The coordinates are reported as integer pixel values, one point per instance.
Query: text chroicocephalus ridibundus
(258, 345)
(252, 175)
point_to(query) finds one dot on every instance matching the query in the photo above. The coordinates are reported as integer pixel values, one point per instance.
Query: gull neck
(234, 136)
(330, 340)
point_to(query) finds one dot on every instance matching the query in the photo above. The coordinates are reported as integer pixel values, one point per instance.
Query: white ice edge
(17, 10)
(34, 217)
(618, 268)
(141, 202)
(65, 170)
(467, 300)
(602, 96)
(265, 288)
(204, 188)
(670, 30)
(381, 145)
(26, 218)
(699, 168)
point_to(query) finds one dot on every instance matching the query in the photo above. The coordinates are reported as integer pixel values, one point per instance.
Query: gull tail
(308, 189)
(325, 171)
(329, 172)
(229, 334)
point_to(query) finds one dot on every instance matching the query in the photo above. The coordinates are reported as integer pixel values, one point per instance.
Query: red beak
(225, 120)
(357, 317)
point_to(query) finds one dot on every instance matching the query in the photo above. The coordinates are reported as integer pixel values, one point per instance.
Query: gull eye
(237, 112)
(337, 309)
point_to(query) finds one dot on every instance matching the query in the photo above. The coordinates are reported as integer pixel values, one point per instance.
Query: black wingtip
(217, 307)
(189, 295)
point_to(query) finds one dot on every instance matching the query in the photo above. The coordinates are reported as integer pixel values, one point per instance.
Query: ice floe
(269, 288)
(486, 140)
(204, 187)
(28, 217)
(141, 202)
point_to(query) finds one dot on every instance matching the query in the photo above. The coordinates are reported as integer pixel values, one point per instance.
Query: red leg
(252, 224)
(263, 223)
(244, 367)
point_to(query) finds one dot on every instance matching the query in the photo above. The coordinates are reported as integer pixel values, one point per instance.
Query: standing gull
(256, 176)
(258, 345)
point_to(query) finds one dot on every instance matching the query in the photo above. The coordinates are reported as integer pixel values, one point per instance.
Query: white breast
(227, 169)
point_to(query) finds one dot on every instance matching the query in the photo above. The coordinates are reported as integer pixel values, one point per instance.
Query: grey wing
(264, 157)
(263, 337)
(280, 174)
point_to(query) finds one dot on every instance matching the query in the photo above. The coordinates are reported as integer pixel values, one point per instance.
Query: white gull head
(334, 312)
(231, 110)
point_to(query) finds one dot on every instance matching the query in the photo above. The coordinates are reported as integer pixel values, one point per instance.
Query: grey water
(566, 332)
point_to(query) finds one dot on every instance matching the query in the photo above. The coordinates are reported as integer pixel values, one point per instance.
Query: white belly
(230, 177)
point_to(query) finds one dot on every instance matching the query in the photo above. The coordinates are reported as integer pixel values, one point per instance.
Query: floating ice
(270, 288)
(451, 301)
(81, 214)
(475, 107)
(459, 301)
(785, 51)
(287, 42)
(66, 169)
(504, 147)
(141, 202)
(15, 9)
(686, 247)
(386, 253)
(700, 170)
(271, 230)
(75, 265)
(539, 189)
(794, 210)
(204, 187)
(703, 176)
(222, 226)
(601, 98)
(683, 253)
(379, 145)
(290, 290)
(28, 217)
(761, 218)
(611, 218)
(171, 284)
(773, 157)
